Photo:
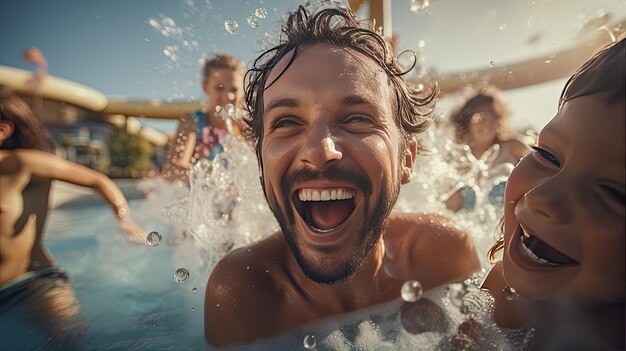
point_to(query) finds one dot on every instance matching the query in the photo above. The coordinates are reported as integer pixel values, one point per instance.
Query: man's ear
(6, 129)
(408, 159)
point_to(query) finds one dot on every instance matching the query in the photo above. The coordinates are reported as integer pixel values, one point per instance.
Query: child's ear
(205, 86)
(6, 129)
(408, 159)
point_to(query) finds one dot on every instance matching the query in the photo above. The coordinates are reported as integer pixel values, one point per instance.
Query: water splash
(252, 21)
(260, 12)
(418, 6)
(231, 26)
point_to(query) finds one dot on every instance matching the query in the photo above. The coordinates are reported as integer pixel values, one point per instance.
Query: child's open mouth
(542, 253)
(324, 210)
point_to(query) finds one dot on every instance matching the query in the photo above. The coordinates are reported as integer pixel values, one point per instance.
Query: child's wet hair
(603, 73)
(221, 61)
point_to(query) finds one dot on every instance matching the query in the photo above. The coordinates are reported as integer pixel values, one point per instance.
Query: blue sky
(114, 47)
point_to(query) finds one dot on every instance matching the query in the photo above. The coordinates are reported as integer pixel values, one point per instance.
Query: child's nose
(551, 200)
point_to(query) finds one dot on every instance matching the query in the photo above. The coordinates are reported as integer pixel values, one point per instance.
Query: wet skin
(25, 179)
(569, 193)
(337, 116)
(564, 224)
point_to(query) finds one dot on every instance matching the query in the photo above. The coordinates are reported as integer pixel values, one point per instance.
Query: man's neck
(360, 290)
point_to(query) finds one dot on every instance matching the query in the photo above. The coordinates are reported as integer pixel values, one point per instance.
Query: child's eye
(615, 193)
(547, 155)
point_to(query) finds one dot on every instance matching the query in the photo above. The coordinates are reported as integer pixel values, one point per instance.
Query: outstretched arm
(45, 165)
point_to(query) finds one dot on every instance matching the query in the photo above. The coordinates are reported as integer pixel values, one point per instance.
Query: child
(31, 281)
(200, 134)
(563, 267)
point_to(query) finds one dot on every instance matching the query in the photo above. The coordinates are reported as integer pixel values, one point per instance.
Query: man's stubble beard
(374, 224)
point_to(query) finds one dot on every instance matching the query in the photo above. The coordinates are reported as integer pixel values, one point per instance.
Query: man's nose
(320, 150)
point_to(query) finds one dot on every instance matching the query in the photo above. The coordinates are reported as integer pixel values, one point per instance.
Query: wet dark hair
(603, 73)
(337, 27)
(28, 131)
(221, 61)
(486, 96)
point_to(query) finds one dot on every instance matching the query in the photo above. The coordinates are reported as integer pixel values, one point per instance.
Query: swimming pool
(130, 301)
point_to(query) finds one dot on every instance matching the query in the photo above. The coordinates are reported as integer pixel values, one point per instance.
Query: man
(333, 123)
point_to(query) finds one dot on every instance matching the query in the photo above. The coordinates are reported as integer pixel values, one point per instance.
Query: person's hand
(134, 233)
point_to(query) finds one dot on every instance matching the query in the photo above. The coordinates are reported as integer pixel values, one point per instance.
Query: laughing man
(334, 124)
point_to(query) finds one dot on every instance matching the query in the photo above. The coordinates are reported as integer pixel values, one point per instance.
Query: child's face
(564, 212)
(223, 86)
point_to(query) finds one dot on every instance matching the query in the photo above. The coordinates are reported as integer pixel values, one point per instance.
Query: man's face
(331, 157)
(223, 86)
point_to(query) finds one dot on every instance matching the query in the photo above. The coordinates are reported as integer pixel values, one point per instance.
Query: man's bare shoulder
(241, 295)
(431, 227)
(434, 240)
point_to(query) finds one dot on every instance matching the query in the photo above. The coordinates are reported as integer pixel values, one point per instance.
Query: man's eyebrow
(356, 100)
(285, 102)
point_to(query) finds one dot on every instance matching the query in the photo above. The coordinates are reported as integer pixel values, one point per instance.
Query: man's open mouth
(542, 253)
(324, 210)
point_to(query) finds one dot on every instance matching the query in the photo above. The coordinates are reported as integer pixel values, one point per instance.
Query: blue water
(127, 294)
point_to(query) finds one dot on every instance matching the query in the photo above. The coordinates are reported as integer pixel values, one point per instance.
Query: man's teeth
(325, 195)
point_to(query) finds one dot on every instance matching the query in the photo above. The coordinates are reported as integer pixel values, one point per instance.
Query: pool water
(128, 297)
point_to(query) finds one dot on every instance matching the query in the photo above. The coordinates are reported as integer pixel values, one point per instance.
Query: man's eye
(358, 119)
(283, 123)
(547, 155)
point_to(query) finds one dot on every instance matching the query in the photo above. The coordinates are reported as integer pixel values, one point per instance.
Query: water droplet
(411, 291)
(154, 24)
(154, 239)
(181, 275)
(260, 12)
(491, 64)
(421, 43)
(549, 60)
(193, 309)
(194, 290)
(230, 109)
(231, 26)
(252, 21)
(309, 342)
(503, 26)
(509, 293)
(418, 6)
